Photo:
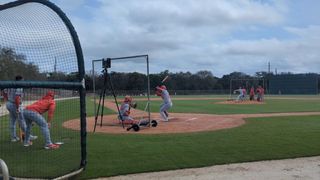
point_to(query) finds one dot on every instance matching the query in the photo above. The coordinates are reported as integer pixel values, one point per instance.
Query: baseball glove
(134, 105)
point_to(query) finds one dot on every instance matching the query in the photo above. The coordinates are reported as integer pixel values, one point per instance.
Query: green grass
(258, 139)
(211, 106)
(45, 163)
(110, 155)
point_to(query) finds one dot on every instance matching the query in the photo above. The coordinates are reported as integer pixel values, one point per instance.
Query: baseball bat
(129, 128)
(19, 127)
(133, 127)
(164, 79)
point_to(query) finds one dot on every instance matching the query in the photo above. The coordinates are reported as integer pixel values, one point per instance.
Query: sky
(221, 36)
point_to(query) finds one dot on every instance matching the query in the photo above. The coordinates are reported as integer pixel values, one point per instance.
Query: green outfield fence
(39, 43)
(294, 84)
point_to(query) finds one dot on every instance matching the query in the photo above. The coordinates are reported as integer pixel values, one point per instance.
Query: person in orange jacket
(33, 113)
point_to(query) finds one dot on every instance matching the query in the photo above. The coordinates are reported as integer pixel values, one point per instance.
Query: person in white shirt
(167, 103)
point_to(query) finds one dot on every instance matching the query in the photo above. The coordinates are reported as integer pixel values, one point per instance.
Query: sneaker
(33, 137)
(27, 144)
(52, 146)
(16, 139)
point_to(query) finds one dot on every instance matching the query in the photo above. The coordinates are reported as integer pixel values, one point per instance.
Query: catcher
(125, 110)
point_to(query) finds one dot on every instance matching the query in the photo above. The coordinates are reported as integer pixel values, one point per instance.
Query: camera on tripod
(106, 63)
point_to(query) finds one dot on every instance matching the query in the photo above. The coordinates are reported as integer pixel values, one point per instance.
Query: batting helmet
(163, 87)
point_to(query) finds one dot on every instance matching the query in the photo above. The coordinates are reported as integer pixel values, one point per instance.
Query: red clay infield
(178, 122)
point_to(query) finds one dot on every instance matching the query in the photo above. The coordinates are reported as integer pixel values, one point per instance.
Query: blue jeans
(31, 116)
(14, 116)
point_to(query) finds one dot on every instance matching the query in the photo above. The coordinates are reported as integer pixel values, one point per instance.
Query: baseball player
(125, 111)
(33, 113)
(14, 106)
(252, 94)
(244, 92)
(240, 97)
(167, 103)
(260, 92)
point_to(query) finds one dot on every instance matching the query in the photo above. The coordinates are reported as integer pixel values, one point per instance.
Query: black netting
(36, 42)
(39, 37)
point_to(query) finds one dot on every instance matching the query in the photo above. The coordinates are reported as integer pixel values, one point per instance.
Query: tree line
(12, 64)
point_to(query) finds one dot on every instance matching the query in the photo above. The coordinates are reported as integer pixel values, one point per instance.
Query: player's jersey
(12, 93)
(165, 96)
(240, 91)
(124, 109)
(43, 105)
(244, 91)
(251, 92)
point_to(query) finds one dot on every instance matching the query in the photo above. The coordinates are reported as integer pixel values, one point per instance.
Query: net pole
(148, 77)
(94, 87)
(230, 89)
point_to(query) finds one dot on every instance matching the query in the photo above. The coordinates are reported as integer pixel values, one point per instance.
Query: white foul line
(191, 119)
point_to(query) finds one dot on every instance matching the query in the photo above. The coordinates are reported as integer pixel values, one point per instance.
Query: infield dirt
(178, 122)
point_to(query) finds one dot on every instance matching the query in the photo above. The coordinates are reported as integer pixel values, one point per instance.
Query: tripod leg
(97, 113)
(103, 98)
(115, 99)
(102, 94)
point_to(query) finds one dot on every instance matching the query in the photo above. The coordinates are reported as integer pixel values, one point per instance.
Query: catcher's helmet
(127, 98)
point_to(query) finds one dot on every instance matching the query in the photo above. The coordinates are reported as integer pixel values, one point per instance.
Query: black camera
(106, 63)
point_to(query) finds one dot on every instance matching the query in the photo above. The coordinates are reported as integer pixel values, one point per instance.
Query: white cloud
(192, 35)
(175, 33)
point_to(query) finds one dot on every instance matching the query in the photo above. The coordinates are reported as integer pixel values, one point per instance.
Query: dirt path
(288, 169)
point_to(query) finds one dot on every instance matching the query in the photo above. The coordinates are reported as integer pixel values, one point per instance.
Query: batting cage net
(41, 75)
(116, 78)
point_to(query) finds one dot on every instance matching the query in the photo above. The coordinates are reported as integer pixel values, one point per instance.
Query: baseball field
(280, 128)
